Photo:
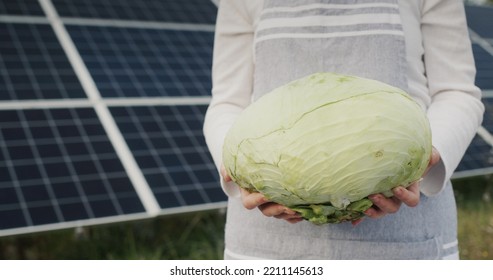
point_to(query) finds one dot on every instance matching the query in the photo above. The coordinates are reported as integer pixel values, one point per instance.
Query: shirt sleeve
(232, 77)
(456, 110)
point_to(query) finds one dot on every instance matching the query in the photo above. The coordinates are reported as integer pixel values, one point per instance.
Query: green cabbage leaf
(322, 144)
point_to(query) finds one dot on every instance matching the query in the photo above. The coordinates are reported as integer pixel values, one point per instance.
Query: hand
(252, 200)
(409, 196)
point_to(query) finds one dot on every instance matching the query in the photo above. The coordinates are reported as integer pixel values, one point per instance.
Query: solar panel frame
(189, 11)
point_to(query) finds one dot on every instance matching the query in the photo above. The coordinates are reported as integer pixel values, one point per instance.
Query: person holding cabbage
(417, 50)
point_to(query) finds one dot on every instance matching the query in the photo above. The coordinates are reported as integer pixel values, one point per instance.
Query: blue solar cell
(66, 190)
(488, 114)
(73, 211)
(484, 65)
(11, 218)
(479, 20)
(45, 174)
(182, 11)
(103, 208)
(479, 155)
(129, 62)
(21, 7)
(180, 172)
(33, 65)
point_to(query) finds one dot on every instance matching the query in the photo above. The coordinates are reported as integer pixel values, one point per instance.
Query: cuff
(231, 189)
(435, 181)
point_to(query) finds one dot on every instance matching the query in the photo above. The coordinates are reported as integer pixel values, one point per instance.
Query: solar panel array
(102, 104)
(101, 111)
(479, 156)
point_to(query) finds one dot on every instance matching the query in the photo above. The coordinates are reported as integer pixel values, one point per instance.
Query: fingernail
(374, 197)
(368, 212)
(355, 223)
(289, 211)
(294, 220)
(398, 190)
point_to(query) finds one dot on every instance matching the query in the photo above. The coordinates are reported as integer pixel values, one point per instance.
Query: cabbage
(322, 144)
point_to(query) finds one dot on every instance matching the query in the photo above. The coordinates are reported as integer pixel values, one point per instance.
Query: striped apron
(360, 37)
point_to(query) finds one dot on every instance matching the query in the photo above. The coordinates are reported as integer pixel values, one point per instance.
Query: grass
(475, 213)
(200, 235)
(186, 236)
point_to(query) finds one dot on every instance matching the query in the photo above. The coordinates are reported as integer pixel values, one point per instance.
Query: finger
(287, 216)
(224, 174)
(252, 200)
(374, 212)
(409, 195)
(356, 222)
(434, 159)
(272, 209)
(384, 204)
(294, 220)
(435, 156)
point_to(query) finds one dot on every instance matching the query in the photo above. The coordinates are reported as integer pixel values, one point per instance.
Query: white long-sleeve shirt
(440, 77)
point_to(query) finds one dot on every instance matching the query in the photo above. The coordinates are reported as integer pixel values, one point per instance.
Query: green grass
(187, 236)
(475, 212)
(200, 235)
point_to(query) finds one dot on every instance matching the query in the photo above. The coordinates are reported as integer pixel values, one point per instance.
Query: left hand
(409, 196)
(252, 200)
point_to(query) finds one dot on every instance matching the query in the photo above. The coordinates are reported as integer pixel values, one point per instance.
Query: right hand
(252, 200)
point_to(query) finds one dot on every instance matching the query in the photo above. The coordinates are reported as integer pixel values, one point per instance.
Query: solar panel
(61, 161)
(484, 66)
(478, 159)
(479, 156)
(58, 165)
(101, 111)
(20, 7)
(488, 114)
(33, 64)
(169, 147)
(481, 31)
(131, 62)
(479, 19)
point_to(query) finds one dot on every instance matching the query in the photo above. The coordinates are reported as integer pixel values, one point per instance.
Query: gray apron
(295, 39)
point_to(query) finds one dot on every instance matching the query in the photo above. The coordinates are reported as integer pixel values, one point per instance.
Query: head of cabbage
(322, 144)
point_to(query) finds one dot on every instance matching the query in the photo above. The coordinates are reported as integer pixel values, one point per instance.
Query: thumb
(224, 174)
(434, 159)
